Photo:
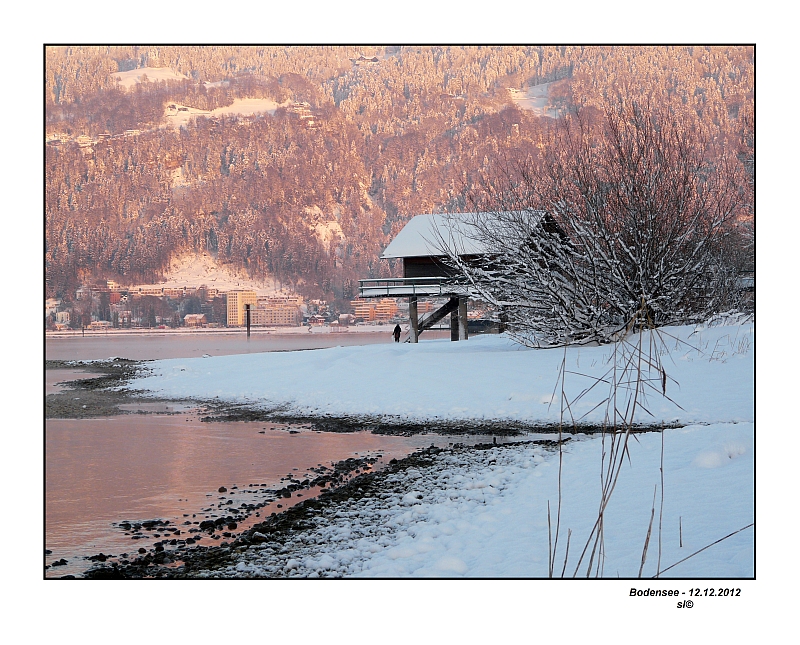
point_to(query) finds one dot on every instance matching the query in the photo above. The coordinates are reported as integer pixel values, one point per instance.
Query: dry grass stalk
(635, 372)
(649, 530)
(658, 573)
(661, 510)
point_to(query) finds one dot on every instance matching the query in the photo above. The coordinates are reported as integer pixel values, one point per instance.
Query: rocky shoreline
(281, 537)
(176, 550)
(217, 522)
(98, 396)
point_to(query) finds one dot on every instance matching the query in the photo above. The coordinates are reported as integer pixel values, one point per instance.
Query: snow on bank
(710, 370)
(132, 77)
(181, 115)
(484, 514)
(201, 269)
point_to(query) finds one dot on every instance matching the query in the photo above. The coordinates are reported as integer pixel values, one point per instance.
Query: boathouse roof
(427, 235)
(423, 236)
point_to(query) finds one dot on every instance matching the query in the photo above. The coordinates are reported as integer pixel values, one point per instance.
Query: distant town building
(276, 315)
(178, 292)
(51, 305)
(195, 320)
(280, 301)
(149, 291)
(236, 306)
(363, 309)
(384, 309)
(279, 310)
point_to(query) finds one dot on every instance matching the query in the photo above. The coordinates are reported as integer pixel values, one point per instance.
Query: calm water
(156, 345)
(138, 467)
(141, 467)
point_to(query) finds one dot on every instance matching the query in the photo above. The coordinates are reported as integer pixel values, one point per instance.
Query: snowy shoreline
(483, 512)
(709, 370)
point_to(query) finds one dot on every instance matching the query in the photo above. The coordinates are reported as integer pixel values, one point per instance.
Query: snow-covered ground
(484, 513)
(197, 269)
(488, 377)
(132, 77)
(240, 107)
(534, 99)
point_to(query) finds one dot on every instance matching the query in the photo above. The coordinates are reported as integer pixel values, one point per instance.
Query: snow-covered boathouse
(421, 246)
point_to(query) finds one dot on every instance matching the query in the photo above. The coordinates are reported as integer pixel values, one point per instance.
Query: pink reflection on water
(156, 345)
(141, 467)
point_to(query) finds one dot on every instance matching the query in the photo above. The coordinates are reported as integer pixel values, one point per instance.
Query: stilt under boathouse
(420, 246)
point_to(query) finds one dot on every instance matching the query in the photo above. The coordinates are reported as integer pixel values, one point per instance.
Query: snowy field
(535, 99)
(201, 269)
(484, 513)
(240, 107)
(487, 378)
(132, 77)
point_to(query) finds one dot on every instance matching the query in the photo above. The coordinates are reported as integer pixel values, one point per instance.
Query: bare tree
(623, 212)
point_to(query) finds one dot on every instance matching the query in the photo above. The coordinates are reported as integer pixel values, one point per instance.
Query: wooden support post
(454, 320)
(412, 314)
(247, 316)
(463, 332)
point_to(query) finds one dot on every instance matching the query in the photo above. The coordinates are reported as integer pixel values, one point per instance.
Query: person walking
(396, 333)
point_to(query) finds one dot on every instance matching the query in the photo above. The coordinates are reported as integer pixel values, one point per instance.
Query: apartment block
(276, 315)
(383, 309)
(236, 307)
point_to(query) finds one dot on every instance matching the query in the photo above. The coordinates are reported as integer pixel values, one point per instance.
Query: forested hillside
(312, 193)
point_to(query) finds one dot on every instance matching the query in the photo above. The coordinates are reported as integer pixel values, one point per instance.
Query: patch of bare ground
(97, 396)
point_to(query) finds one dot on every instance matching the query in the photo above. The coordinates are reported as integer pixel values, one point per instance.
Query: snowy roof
(423, 236)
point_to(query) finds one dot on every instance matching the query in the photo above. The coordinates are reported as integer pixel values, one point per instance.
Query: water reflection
(156, 345)
(141, 467)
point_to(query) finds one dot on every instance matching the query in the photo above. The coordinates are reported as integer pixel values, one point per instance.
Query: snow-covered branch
(620, 213)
